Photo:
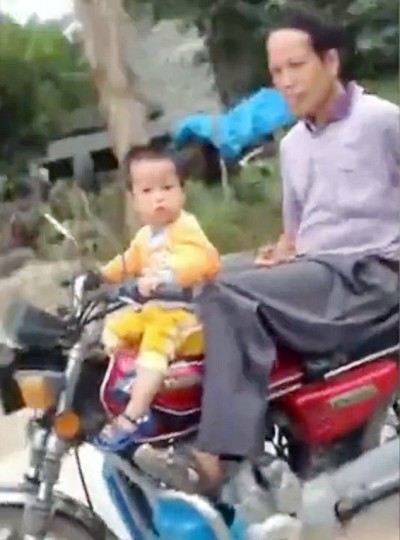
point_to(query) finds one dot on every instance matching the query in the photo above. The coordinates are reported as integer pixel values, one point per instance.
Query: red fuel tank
(326, 411)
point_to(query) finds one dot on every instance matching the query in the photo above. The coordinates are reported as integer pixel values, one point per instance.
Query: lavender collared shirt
(341, 181)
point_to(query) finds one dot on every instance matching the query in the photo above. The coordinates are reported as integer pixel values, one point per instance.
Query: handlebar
(84, 300)
(167, 292)
(78, 293)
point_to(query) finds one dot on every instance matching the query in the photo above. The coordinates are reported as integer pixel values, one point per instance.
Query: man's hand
(272, 255)
(148, 284)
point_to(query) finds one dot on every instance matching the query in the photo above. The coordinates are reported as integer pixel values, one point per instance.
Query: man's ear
(332, 61)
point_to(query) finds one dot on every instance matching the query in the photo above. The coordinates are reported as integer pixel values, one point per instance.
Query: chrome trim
(284, 391)
(290, 379)
(334, 373)
(174, 412)
(366, 360)
(78, 292)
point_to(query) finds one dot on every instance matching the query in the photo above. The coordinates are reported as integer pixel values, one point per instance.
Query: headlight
(39, 391)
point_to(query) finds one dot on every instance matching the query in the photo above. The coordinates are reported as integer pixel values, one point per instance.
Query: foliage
(234, 32)
(386, 88)
(42, 77)
(373, 27)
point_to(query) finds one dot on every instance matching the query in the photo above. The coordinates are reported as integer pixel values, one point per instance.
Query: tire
(61, 528)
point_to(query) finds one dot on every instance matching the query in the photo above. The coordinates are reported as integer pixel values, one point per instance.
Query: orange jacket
(184, 250)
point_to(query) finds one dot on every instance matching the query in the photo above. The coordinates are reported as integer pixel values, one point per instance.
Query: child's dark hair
(138, 153)
(324, 35)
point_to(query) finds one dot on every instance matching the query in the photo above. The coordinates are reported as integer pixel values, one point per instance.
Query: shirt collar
(341, 107)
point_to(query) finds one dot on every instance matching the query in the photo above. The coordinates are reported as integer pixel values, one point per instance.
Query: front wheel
(61, 527)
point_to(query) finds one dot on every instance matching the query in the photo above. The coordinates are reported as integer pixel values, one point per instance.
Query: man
(338, 255)
(340, 127)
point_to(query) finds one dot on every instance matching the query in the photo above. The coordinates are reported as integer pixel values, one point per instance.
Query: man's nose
(286, 81)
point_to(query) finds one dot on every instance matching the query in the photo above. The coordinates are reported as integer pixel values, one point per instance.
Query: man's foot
(174, 470)
(210, 470)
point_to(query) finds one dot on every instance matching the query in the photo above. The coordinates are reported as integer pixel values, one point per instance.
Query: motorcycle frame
(38, 497)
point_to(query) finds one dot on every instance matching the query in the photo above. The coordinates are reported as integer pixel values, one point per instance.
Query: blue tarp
(245, 125)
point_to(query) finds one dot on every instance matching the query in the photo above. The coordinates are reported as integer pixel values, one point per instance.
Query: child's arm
(126, 265)
(193, 259)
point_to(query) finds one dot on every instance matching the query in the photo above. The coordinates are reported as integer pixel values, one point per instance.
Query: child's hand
(148, 284)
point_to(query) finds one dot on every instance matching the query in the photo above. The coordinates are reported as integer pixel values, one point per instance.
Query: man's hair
(324, 35)
(147, 153)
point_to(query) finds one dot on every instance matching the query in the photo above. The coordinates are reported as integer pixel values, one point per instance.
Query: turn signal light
(67, 425)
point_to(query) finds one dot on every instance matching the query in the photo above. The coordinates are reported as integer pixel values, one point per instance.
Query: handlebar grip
(173, 293)
(167, 292)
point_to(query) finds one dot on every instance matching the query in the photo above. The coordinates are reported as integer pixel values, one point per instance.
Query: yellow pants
(162, 334)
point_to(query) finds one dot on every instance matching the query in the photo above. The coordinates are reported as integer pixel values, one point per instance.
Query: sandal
(115, 438)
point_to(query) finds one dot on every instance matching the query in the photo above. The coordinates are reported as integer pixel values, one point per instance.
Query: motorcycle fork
(50, 452)
(37, 439)
(44, 471)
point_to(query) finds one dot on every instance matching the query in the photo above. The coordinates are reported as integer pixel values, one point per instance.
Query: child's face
(158, 196)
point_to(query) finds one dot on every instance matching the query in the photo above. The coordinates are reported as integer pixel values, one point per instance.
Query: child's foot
(117, 435)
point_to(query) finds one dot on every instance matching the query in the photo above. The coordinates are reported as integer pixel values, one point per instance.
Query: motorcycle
(323, 413)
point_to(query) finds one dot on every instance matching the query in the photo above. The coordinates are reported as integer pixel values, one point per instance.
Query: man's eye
(168, 187)
(275, 71)
(146, 190)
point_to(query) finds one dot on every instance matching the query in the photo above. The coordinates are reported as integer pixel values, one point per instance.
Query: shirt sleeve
(127, 264)
(390, 124)
(192, 259)
(291, 208)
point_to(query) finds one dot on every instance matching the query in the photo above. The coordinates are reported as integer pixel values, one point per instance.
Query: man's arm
(390, 125)
(291, 209)
(285, 248)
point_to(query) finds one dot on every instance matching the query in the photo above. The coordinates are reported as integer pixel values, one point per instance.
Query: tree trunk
(106, 31)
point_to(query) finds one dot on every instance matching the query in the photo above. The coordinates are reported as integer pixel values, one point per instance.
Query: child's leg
(125, 327)
(164, 331)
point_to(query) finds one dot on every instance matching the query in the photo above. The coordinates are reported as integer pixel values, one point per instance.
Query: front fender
(71, 509)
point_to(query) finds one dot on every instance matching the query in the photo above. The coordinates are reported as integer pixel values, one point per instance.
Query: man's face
(305, 79)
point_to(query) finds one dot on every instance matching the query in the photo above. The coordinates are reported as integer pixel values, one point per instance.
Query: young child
(171, 247)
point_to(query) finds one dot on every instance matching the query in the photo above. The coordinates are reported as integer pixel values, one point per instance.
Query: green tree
(42, 77)
(234, 31)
